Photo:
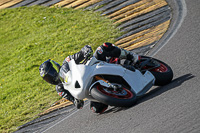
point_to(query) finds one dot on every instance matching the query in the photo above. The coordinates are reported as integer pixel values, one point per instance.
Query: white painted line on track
(182, 13)
(62, 119)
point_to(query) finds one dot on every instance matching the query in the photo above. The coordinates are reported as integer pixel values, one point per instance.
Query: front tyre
(122, 97)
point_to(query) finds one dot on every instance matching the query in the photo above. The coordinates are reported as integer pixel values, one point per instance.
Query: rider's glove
(87, 51)
(77, 103)
(68, 96)
(64, 93)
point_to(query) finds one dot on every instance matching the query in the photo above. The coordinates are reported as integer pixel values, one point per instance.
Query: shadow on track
(161, 89)
(156, 92)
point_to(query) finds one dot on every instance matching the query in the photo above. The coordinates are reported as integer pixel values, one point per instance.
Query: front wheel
(122, 97)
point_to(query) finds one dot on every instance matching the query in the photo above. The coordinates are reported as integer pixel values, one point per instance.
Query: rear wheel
(121, 97)
(163, 74)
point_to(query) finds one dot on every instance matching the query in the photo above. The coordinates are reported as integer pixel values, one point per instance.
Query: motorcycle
(115, 82)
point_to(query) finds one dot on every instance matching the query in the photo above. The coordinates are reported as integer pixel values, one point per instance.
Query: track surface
(173, 108)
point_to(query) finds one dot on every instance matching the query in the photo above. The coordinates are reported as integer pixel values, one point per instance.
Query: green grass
(28, 37)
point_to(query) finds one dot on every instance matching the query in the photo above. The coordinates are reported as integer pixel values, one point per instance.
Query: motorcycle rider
(53, 73)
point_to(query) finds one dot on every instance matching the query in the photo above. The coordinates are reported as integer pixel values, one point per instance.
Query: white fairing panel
(138, 81)
(83, 74)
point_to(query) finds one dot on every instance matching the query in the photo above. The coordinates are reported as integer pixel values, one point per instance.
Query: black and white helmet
(49, 71)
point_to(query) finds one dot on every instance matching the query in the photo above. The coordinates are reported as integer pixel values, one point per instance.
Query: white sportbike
(114, 83)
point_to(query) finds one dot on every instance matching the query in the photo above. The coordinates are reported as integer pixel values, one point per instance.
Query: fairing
(83, 74)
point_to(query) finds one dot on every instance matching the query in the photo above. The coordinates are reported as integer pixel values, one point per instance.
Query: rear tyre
(162, 74)
(120, 98)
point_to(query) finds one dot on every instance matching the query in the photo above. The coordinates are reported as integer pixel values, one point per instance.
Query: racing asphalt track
(174, 108)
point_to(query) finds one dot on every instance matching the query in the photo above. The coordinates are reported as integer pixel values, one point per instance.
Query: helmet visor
(52, 76)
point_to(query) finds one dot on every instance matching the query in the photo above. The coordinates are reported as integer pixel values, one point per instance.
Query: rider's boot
(98, 107)
(129, 56)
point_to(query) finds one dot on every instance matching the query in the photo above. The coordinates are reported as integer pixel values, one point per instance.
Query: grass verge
(29, 36)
